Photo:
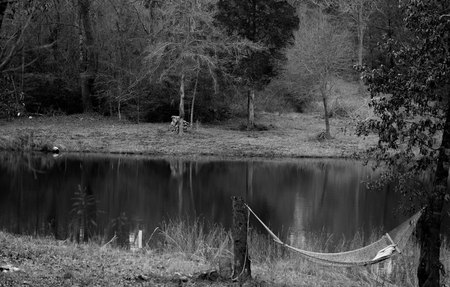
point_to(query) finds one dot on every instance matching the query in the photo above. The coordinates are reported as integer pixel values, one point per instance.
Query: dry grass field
(187, 258)
(281, 135)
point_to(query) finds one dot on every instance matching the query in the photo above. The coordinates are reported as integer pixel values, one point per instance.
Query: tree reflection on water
(86, 196)
(83, 215)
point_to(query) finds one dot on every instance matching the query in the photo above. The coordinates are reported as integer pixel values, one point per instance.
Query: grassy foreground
(287, 135)
(188, 256)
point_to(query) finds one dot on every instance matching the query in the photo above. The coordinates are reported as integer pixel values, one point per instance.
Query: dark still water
(101, 194)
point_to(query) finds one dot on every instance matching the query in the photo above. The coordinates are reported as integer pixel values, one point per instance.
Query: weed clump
(322, 136)
(256, 127)
(26, 140)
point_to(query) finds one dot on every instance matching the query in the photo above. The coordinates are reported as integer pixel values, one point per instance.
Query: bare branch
(17, 45)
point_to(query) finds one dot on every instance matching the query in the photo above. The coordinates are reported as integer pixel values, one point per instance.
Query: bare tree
(359, 12)
(188, 42)
(122, 35)
(15, 35)
(321, 53)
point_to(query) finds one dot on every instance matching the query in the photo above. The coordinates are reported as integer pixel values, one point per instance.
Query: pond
(43, 195)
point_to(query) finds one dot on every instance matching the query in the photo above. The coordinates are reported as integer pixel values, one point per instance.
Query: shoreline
(289, 136)
(186, 157)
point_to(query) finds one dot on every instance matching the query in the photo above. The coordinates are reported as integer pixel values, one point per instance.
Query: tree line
(147, 60)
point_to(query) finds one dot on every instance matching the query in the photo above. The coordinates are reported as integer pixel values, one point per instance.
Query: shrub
(11, 100)
(47, 94)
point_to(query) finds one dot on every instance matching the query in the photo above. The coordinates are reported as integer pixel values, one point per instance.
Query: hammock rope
(387, 246)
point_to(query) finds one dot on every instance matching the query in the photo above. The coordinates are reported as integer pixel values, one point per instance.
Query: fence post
(139, 239)
(241, 263)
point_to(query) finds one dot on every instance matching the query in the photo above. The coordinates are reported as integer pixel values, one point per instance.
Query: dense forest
(145, 60)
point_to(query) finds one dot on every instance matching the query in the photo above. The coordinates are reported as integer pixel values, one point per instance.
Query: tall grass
(26, 140)
(212, 245)
(196, 238)
(272, 262)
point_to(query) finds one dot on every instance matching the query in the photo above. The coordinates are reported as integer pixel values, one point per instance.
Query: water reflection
(80, 197)
(83, 216)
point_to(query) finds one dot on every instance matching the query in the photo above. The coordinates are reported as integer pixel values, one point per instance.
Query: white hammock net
(388, 245)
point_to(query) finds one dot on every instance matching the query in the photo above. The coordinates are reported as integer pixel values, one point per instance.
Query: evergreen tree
(268, 22)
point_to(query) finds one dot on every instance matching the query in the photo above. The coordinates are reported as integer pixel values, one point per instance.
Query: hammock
(388, 245)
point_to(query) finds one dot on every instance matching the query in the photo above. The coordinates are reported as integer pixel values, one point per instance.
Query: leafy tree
(411, 101)
(321, 53)
(268, 22)
(385, 22)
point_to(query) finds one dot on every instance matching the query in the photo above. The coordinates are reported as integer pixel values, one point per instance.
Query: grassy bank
(183, 258)
(283, 135)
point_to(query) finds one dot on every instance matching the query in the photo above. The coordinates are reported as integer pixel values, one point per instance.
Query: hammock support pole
(241, 262)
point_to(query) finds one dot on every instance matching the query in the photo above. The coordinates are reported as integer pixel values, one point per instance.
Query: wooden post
(241, 265)
(139, 239)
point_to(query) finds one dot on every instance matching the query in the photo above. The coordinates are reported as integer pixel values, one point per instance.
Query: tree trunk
(360, 37)
(193, 100)
(181, 108)
(251, 109)
(87, 57)
(139, 108)
(361, 30)
(55, 32)
(430, 267)
(3, 6)
(326, 115)
(119, 114)
(18, 42)
(239, 233)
